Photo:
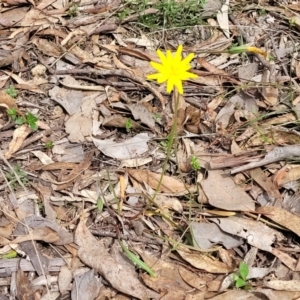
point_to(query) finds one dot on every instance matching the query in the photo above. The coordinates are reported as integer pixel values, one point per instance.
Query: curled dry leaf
(127, 149)
(19, 136)
(204, 262)
(283, 285)
(222, 192)
(257, 234)
(168, 184)
(87, 286)
(6, 101)
(64, 279)
(93, 253)
(282, 217)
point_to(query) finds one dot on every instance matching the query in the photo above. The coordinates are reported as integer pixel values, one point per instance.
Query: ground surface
(112, 188)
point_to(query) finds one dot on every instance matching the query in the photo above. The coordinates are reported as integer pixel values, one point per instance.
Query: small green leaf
(240, 283)
(32, 119)
(100, 204)
(136, 260)
(243, 270)
(10, 254)
(19, 121)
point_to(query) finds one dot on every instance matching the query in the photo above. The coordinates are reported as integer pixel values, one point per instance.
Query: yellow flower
(172, 69)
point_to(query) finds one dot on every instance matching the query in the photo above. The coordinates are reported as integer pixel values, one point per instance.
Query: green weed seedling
(73, 11)
(11, 177)
(140, 264)
(128, 125)
(11, 91)
(195, 163)
(29, 118)
(48, 145)
(240, 278)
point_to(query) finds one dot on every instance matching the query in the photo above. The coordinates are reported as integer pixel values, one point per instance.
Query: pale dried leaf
(86, 286)
(206, 235)
(282, 285)
(19, 136)
(222, 17)
(204, 262)
(222, 192)
(64, 279)
(140, 112)
(127, 149)
(256, 233)
(93, 253)
(282, 217)
(43, 157)
(168, 184)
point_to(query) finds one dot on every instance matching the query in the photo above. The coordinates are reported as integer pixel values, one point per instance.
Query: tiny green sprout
(195, 164)
(157, 116)
(271, 57)
(128, 124)
(48, 145)
(240, 278)
(262, 12)
(292, 22)
(9, 255)
(123, 14)
(137, 261)
(100, 204)
(11, 91)
(73, 11)
(12, 177)
(12, 113)
(31, 120)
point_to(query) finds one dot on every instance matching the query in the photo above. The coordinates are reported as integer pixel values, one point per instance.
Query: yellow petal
(178, 84)
(162, 57)
(160, 68)
(170, 85)
(163, 78)
(169, 56)
(188, 75)
(177, 57)
(188, 59)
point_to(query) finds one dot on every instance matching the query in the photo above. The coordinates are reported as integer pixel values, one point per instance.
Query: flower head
(172, 69)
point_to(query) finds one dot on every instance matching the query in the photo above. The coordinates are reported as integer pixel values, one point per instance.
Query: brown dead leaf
(168, 185)
(265, 182)
(93, 253)
(19, 136)
(47, 47)
(270, 93)
(18, 2)
(216, 71)
(237, 294)
(45, 234)
(289, 261)
(168, 273)
(287, 174)
(6, 231)
(193, 279)
(86, 286)
(64, 279)
(24, 287)
(222, 192)
(204, 262)
(6, 101)
(282, 217)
